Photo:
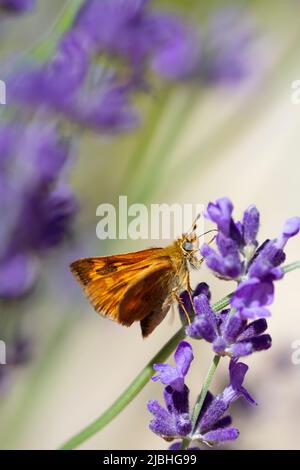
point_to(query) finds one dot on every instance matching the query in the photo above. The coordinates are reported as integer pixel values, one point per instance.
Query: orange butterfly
(139, 286)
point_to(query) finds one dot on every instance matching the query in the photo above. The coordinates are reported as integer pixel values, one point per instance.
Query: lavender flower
(133, 31)
(212, 426)
(240, 258)
(174, 376)
(36, 203)
(229, 334)
(201, 288)
(17, 6)
(173, 421)
(75, 86)
(55, 83)
(227, 44)
(19, 352)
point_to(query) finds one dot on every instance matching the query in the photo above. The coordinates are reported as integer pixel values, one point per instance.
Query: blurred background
(197, 112)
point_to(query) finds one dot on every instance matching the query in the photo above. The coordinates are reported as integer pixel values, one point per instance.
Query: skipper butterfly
(139, 286)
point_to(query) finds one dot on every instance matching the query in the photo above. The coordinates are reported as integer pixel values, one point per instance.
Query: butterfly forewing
(105, 280)
(134, 286)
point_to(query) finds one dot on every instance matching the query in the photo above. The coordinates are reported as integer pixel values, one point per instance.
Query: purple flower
(64, 86)
(212, 426)
(177, 51)
(134, 32)
(266, 263)
(228, 332)
(173, 421)
(227, 46)
(250, 225)
(174, 376)
(55, 84)
(251, 297)
(235, 240)
(290, 229)
(17, 6)
(18, 353)
(37, 205)
(108, 110)
(201, 288)
(239, 257)
(220, 212)
(255, 293)
(226, 264)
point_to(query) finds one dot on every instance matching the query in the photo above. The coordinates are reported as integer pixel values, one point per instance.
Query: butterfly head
(189, 244)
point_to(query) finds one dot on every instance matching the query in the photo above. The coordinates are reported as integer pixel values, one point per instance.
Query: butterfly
(139, 286)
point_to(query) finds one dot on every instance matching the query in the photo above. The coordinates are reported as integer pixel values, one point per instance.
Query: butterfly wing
(149, 297)
(106, 279)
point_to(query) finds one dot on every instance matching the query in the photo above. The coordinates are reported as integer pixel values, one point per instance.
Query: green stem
(206, 385)
(161, 157)
(199, 403)
(134, 388)
(144, 143)
(291, 267)
(45, 47)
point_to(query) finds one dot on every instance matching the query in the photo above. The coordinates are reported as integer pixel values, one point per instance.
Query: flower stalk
(206, 385)
(199, 403)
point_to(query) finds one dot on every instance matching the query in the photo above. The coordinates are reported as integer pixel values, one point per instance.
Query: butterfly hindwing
(148, 298)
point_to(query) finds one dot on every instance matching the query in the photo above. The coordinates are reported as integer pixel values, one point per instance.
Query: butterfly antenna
(194, 224)
(208, 231)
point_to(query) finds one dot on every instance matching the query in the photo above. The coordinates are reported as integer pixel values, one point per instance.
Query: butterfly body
(137, 286)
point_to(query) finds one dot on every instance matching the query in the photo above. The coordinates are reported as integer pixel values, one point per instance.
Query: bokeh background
(199, 138)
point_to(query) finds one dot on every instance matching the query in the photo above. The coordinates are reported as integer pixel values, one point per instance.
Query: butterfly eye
(188, 246)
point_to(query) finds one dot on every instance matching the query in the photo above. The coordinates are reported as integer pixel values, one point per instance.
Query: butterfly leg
(179, 301)
(190, 291)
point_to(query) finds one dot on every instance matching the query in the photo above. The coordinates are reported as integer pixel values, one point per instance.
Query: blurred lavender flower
(131, 30)
(77, 87)
(36, 203)
(18, 353)
(55, 83)
(227, 44)
(239, 257)
(17, 6)
(229, 334)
